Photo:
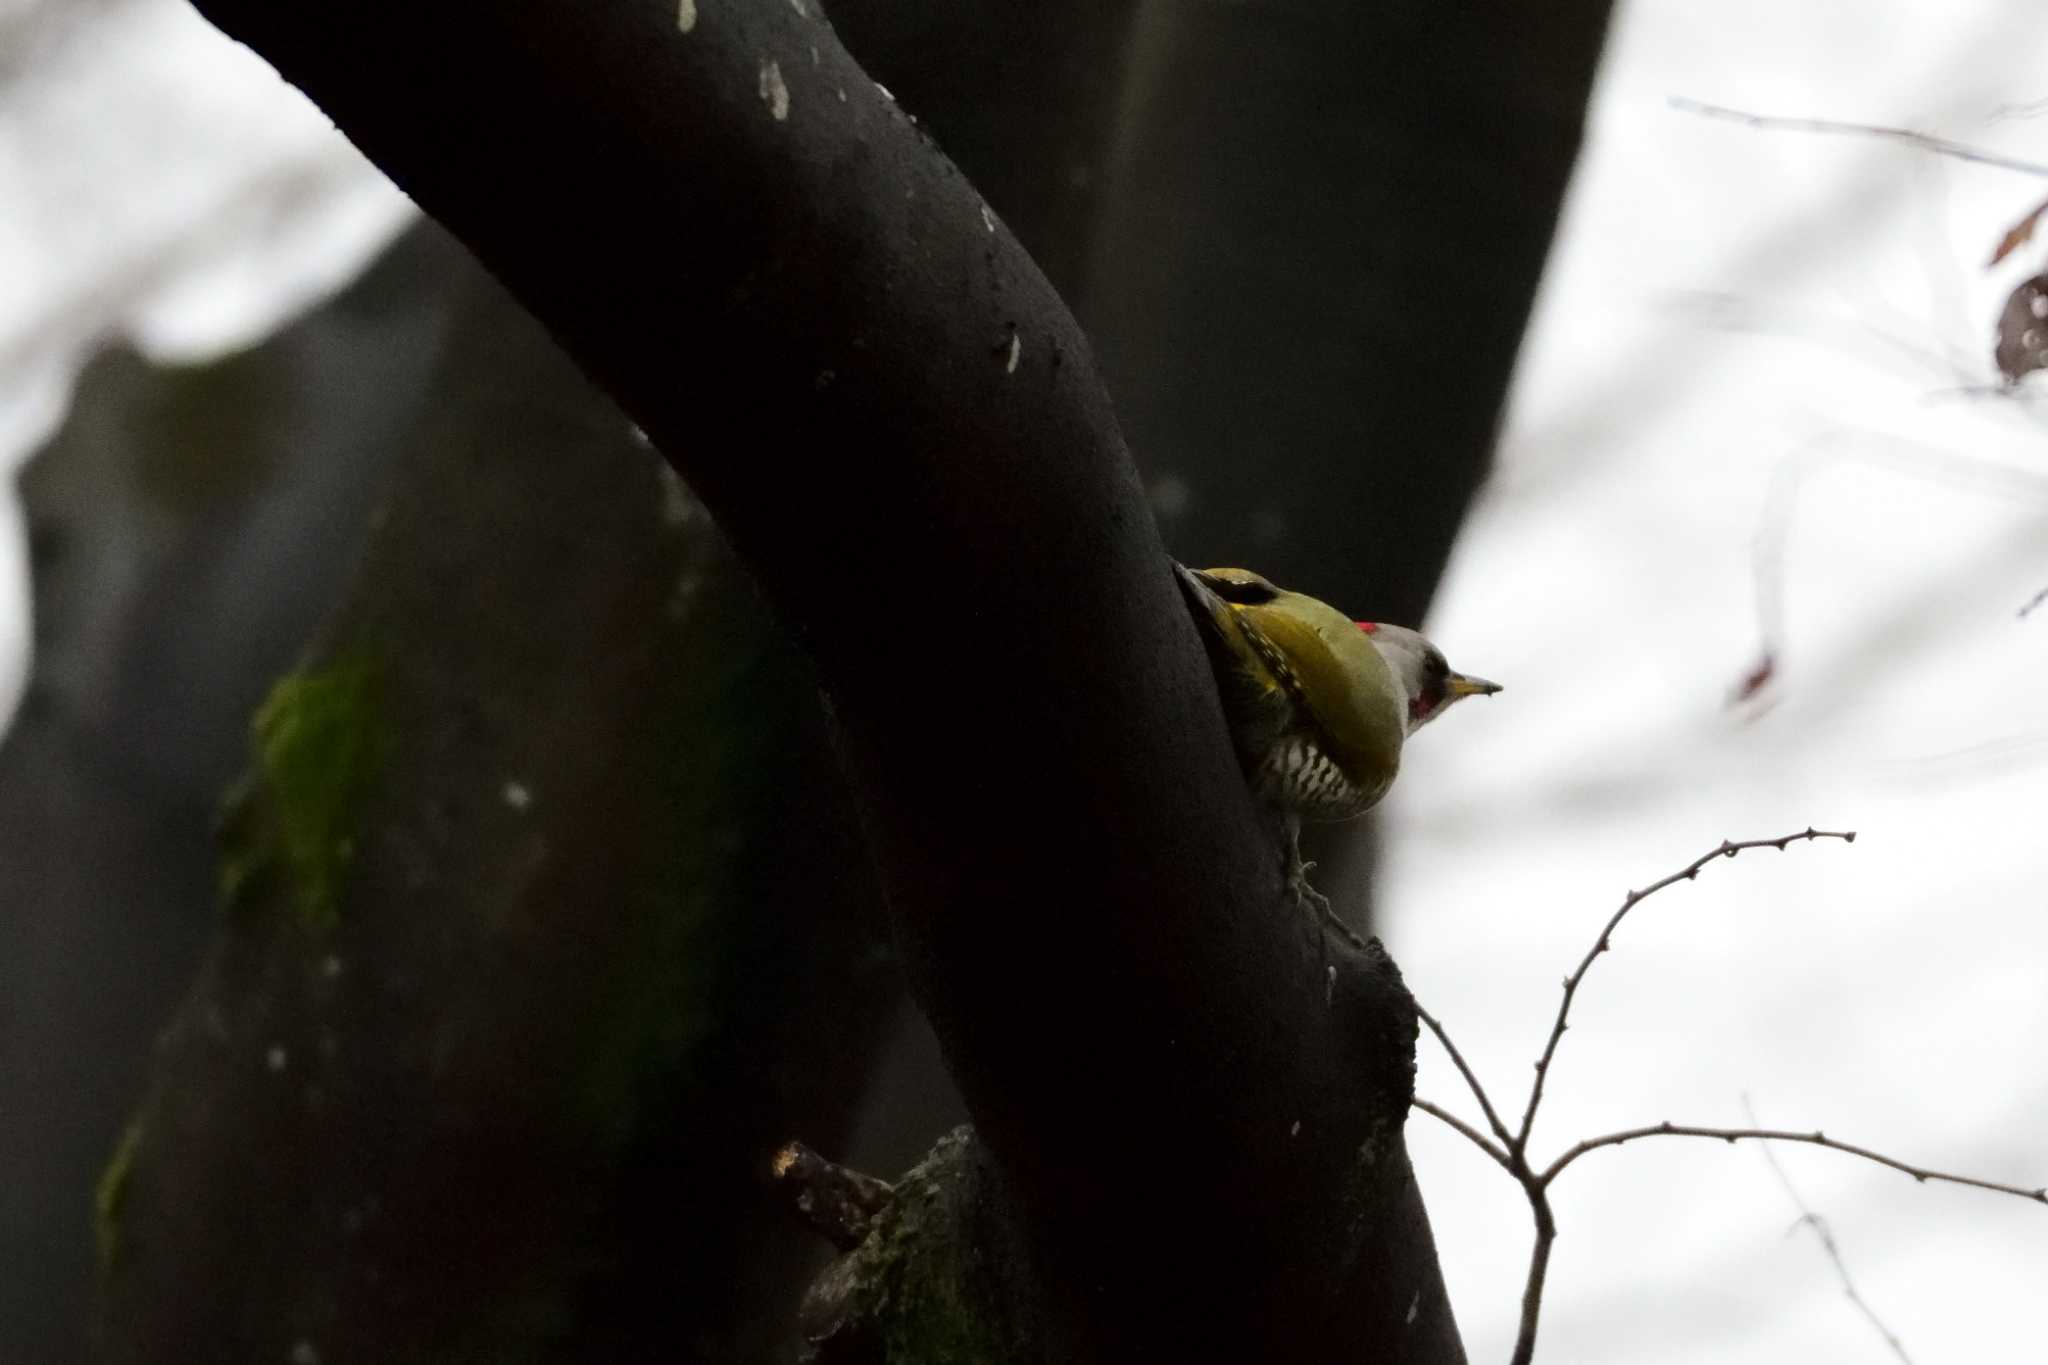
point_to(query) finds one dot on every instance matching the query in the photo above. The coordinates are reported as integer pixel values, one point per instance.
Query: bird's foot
(1304, 890)
(1317, 904)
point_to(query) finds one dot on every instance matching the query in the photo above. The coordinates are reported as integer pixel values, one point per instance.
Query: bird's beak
(1461, 686)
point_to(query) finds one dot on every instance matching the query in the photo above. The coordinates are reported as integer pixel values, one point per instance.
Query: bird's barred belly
(1298, 776)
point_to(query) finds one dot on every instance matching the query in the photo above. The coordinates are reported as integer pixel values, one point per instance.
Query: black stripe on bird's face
(1435, 689)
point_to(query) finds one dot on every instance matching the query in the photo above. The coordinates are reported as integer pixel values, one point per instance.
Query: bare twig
(1512, 1155)
(1808, 1218)
(2033, 603)
(1687, 873)
(1926, 142)
(1812, 1139)
(1471, 1134)
(2016, 236)
(1511, 1152)
(1500, 1130)
(838, 1202)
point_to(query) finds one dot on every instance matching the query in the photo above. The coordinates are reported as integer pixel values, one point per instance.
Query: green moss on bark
(110, 1195)
(321, 742)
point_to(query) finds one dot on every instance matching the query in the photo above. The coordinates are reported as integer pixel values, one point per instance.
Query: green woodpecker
(1318, 704)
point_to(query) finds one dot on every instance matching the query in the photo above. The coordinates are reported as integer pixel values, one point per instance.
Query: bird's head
(1420, 668)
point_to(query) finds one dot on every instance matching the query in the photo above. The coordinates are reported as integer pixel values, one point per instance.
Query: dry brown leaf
(2018, 235)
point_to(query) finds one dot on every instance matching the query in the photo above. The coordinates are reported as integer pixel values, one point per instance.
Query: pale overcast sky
(1757, 337)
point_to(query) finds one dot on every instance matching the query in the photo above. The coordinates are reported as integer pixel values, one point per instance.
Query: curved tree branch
(898, 425)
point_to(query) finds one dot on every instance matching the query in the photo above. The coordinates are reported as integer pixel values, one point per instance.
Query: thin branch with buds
(1812, 1139)
(1511, 1150)
(1605, 941)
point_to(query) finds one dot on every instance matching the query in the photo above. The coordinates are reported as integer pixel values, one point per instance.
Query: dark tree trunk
(190, 526)
(886, 407)
(1304, 236)
(1026, 99)
(497, 1032)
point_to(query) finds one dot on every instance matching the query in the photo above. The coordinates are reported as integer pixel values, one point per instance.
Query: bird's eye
(1436, 667)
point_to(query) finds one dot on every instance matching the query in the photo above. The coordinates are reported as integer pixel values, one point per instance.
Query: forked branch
(1687, 873)
(1509, 1150)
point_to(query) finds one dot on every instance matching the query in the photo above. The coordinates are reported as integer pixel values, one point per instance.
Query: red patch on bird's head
(1368, 626)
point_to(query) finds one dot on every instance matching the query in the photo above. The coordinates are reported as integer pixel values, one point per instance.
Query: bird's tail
(1231, 647)
(1211, 612)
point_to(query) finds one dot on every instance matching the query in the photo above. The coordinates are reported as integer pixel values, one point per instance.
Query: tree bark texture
(1305, 237)
(889, 411)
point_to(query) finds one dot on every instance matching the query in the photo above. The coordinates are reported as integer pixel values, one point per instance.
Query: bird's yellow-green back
(1316, 714)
